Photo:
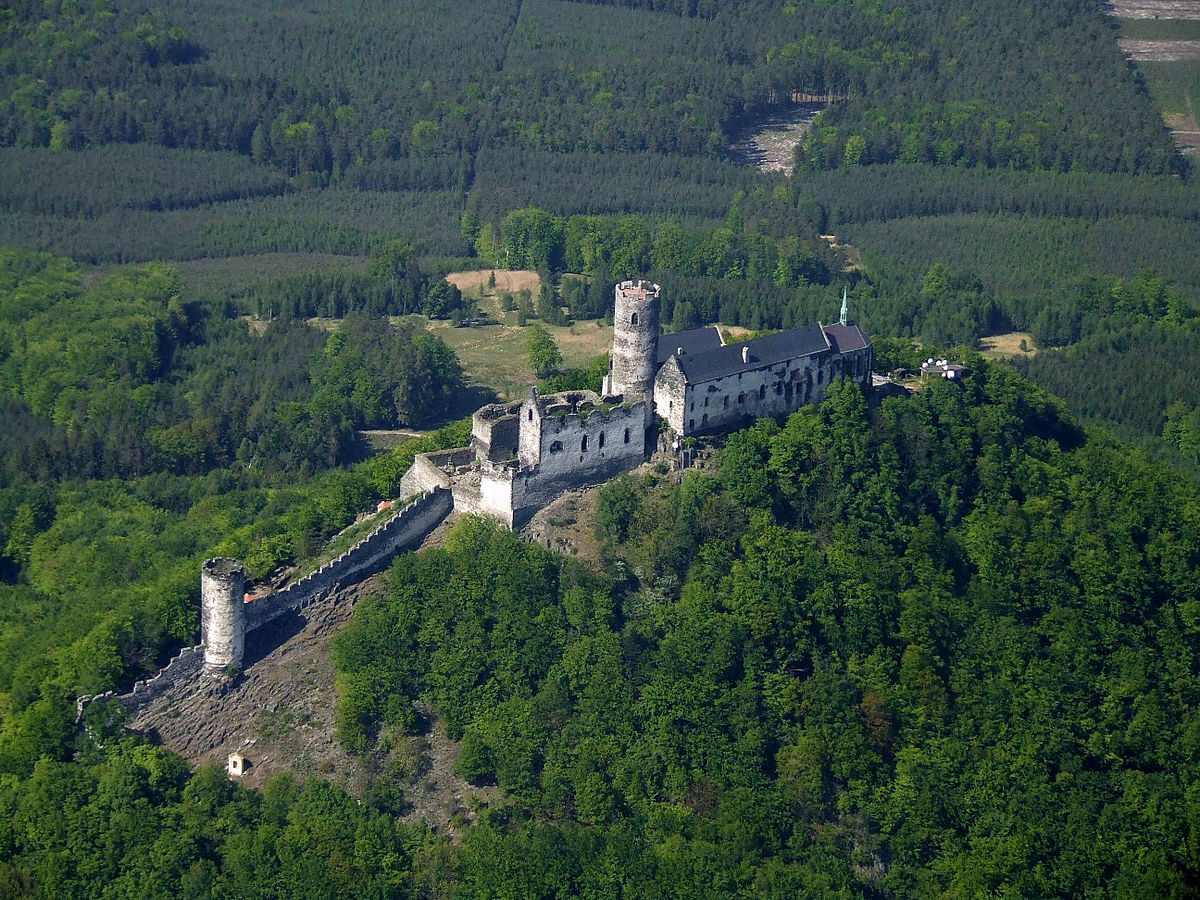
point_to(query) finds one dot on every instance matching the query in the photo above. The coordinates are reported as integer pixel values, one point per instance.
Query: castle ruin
(525, 454)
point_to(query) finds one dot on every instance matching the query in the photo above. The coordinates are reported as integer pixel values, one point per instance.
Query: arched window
(741, 398)
(531, 414)
(602, 439)
(762, 391)
(627, 435)
(633, 319)
(583, 444)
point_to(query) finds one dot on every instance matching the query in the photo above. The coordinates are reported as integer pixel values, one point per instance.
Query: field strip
(1159, 51)
(1155, 9)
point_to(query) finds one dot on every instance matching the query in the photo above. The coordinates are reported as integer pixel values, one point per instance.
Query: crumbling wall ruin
(370, 555)
(402, 531)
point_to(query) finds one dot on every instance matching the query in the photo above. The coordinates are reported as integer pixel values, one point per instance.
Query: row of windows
(557, 446)
(741, 398)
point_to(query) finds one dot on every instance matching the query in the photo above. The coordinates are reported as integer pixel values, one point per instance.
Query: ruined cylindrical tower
(634, 360)
(222, 613)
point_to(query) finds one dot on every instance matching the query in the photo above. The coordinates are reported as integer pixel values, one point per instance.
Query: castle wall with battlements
(404, 530)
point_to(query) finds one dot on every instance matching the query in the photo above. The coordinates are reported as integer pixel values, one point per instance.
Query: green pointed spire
(845, 308)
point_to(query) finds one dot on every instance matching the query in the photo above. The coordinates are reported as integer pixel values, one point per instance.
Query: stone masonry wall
(495, 431)
(183, 667)
(368, 556)
(433, 470)
(577, 452)
(402, 531)
(422, 476)
(728, 403)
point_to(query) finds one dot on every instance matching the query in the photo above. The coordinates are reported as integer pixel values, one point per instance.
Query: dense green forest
(939, 645)
(942, 645)
(142, 432)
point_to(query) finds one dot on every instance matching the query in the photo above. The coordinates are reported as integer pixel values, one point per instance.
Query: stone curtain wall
(183, 667)
(402, 531)
(368, 556)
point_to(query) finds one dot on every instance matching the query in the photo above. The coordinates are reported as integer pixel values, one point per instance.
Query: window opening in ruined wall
(556, 447)
(583, 444)
(602, 439)
(627, 435)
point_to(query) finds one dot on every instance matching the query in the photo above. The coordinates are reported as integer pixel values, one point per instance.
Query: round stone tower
(634, 360)
(222, 613)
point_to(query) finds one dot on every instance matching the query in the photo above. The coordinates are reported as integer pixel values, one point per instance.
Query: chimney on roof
(745, 354)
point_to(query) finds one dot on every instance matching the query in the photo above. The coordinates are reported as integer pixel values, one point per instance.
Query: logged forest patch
(1153, 50)
(1163, 39)
(1155, 9)
(770, 145)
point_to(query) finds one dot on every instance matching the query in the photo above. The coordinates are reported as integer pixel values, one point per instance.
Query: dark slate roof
(697, 340)
(846, 338)
(764, 351)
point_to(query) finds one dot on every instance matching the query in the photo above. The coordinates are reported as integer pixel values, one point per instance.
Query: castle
(525, 454)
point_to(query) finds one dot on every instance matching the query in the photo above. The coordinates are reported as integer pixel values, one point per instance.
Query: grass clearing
(1006, 346)
(506, 280)
(494, 355)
